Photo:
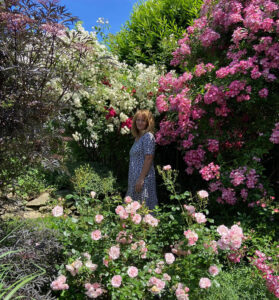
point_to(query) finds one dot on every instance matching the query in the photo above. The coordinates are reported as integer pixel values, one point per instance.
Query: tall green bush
(149, 36)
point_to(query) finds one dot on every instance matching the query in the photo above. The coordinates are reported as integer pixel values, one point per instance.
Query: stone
(10, 208)
(40, 201)
(45, 208)
(10, 196)
(32, 214)
(29, 209)
(7, 216)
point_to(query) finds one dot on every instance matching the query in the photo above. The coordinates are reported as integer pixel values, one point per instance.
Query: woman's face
(141, 123)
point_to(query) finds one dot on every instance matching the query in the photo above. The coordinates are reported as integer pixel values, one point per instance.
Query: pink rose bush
(214, 112)
(126, 251)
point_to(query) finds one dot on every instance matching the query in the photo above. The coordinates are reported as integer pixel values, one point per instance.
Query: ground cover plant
(28, 255)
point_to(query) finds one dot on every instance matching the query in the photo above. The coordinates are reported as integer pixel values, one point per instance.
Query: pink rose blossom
(150, 220)
(116, 281)
(169, 257)
(114, 252)
(57, 211)
(200, 218)
(263, 93)
(213, 270)
(166, 277)
(124, 238)
(105, 262)
(119, 209)
(190, 209)
(132, 272)
(136, 218)
(96, 235)
(59, 284)
(128, 199)
(204, 283)
(156, 284)
(92, 194)
(202, 194)
(191, 236)
(167, 167)
(91, 266)
(99, 218)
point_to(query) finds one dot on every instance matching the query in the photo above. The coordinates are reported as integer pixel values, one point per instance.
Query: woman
(141, 180)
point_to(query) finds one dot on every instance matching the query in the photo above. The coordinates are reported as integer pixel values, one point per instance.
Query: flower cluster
(94, 290)
(231, 239)
(60, 284)
(275, 134)
(214, 103)
(105, 96)
(272, 281)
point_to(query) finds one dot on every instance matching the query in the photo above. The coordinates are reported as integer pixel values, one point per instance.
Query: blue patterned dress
(144, 145)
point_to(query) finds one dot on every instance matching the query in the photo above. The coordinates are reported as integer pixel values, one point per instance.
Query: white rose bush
(106, 92)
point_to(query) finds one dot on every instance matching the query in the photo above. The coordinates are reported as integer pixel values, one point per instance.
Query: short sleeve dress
(144, 145)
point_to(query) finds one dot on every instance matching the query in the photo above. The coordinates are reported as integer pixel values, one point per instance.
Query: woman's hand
(139, 185)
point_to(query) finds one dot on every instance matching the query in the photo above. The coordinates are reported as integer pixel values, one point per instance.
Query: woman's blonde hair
(147, 116)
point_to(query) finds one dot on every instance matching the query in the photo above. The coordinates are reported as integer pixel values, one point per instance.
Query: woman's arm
(145, 170)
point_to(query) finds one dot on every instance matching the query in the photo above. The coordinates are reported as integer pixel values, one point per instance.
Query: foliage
(221, 109)
(87, 178)
(28, 252)
(30, 184)
(239, 283)
(149, 36)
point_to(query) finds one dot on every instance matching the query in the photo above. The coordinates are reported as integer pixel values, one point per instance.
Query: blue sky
(117, 12)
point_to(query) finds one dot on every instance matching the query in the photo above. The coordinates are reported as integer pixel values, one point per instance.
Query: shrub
(31, 34)
(221, 110)
(149, 36)
(97, 179)
(131, 253)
